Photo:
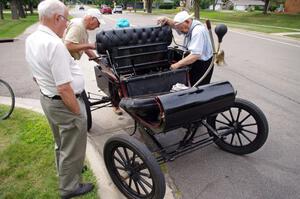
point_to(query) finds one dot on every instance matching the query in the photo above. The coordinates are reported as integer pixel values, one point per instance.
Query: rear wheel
(248, 124)
(7, 100)
(133, 168)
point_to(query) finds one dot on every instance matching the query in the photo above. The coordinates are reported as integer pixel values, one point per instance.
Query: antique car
(135, 66)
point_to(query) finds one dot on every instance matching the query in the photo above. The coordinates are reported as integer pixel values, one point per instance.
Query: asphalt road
(264, 70)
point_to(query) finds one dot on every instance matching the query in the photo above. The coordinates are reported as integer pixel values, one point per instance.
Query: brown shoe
(81, 190)
(117, 110)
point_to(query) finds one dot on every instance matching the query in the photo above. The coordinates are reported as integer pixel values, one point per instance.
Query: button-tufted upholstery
(107, 40)
(136, 50)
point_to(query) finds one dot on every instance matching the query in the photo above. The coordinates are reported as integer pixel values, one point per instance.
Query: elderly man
(76, 36)
(60, 81)
(196, 41)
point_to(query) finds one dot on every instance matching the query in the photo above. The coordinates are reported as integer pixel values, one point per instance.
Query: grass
(295, 36)
(27, 168)
(270, 23)
(10, 28)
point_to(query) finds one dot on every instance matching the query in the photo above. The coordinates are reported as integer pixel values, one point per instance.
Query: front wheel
(133, 168)
(244, 125)
(7, 100)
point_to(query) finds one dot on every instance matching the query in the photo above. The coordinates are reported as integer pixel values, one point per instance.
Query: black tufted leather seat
(108, 40)
(136, 49)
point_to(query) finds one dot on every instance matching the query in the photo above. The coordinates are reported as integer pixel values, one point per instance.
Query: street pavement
(262, 68)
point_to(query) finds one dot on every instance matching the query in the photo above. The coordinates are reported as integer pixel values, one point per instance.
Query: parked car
(129, 8)
(105, 9)
(118, 9)
(81, 8)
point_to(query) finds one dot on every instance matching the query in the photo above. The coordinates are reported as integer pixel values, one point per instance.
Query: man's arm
(165, 21)
(90, 53)
(191, 58)
(74, 47)
(68, 97)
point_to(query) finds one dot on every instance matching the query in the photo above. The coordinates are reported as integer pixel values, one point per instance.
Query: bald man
(60, 81)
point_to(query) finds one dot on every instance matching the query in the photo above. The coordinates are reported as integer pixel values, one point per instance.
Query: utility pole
(134, 5)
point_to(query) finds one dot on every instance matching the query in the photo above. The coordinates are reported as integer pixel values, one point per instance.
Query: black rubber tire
(7, 90)
(88, 110)
(138, 164)
(242, 130)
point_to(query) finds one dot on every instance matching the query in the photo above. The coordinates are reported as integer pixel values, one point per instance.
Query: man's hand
(163, 21)
(68, 97)
(174, 66)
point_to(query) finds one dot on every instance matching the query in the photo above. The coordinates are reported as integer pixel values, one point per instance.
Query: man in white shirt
(60, 81)
(197, 41)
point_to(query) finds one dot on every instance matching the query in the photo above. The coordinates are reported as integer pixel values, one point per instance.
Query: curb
(6, 40)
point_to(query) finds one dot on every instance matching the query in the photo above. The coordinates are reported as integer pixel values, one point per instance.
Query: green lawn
(11, 28)
(27, 168)
(256, 21)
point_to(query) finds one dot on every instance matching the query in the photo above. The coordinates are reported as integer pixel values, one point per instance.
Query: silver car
(118, 9)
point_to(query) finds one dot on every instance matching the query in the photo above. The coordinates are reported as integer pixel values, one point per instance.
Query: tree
(2, 3)
(148, 5)
(14, 9)
(29, 4)
(266, 7)
(21, 10)
(197, 9)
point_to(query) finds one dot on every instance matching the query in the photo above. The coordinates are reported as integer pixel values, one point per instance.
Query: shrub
(166, 6)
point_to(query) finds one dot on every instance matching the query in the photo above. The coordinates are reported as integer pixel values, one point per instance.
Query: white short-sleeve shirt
(198, 41)
(51, 63)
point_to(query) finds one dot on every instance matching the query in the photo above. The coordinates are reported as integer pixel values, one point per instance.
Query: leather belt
(57, 97)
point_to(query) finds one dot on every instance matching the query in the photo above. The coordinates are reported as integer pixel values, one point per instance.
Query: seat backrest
(136, 49)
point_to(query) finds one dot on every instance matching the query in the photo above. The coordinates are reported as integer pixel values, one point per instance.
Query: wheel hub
(236, 125)
(132, 168)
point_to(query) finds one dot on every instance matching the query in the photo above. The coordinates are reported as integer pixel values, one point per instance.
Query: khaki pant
(69, 131)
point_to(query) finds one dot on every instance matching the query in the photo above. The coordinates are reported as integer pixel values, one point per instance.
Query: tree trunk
(21, 9)
(266, 7)
(148, 6)
(1, 10)
(214, 4)
(14, 9)
(31, 7)
(197, 9)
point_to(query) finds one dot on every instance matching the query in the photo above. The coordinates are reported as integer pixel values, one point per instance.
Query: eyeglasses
(63, 17)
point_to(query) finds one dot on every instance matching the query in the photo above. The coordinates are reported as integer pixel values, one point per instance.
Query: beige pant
(69, 131)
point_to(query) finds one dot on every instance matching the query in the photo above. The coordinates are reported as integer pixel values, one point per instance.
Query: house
(292, 6)
(218, 5)
(243, 5)
(239, 5)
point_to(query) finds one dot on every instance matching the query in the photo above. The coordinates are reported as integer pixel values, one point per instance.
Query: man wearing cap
(197, 41)
(76, 36)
